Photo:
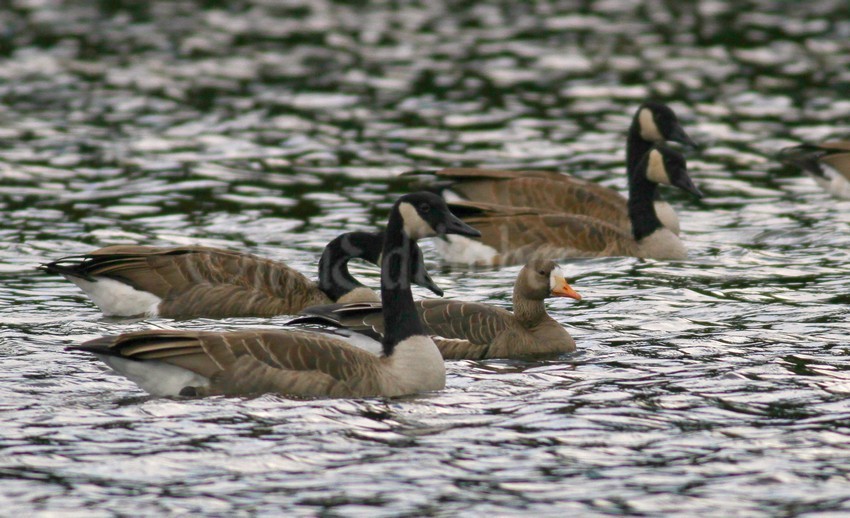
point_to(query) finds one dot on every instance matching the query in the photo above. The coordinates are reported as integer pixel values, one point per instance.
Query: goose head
(663, 165)
(426, 214)
(656, 122)
(542, 278)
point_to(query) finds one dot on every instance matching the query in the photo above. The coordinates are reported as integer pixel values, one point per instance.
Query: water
(712, 386)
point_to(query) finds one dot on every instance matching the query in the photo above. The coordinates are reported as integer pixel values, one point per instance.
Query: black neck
(334, 278)
(636, 148)
(642, 194)
(401, 319)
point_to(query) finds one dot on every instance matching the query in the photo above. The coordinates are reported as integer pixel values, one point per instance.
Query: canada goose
(828, 163)
(513, 235)
(300, 362)
(474, 331)
(198, 282)
(548, 191)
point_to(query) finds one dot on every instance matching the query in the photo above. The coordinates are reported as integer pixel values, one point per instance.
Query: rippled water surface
(714, 386)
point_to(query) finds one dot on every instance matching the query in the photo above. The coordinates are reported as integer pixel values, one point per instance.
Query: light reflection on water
(711, 386)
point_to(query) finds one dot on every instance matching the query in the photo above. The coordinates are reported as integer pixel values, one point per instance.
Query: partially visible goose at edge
(201, 282)
(514, 235)
(548, 191)
(828, 163)
(472, 330)
(301, 362)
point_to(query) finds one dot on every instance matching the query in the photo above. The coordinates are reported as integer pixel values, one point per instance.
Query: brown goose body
(519, 237)
(292, 362)
(513, 235)
(202, 282)
(299, 362)
(544, 191)
(475, 331)
(828, 163)
(197, 281)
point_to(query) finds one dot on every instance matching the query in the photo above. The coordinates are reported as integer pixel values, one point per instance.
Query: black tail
(806, 157)
(102, 345)
(72, 266)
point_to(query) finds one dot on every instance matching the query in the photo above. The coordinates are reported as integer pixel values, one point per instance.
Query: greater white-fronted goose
(472, 330)
(514, 235)
(201, 282)
(300, 362)
(828, 163)
(547, 191)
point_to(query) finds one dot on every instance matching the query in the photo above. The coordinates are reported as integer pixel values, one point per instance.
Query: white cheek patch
(655, 170)
(414, 225)
(556, 274)
(648, 129)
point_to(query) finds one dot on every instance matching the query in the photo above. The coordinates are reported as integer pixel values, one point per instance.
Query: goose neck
(401, 319)
(334, 278)
(642, 194)
(529, 312)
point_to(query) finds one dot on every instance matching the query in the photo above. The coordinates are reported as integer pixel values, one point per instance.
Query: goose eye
(541, 272)
(424, 208)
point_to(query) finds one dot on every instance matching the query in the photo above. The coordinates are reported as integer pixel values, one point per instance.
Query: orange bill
(563, 289)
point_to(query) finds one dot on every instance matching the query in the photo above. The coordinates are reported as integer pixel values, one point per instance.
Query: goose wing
(200, 281)
(542, 190)
(520, 237)
(461, 330)
(293, 362)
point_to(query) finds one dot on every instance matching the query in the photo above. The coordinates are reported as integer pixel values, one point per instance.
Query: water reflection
(718, 382)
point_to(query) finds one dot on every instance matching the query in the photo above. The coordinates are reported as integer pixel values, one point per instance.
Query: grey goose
(300, 362)
(203, 282)
(472, 330)
(514, 235)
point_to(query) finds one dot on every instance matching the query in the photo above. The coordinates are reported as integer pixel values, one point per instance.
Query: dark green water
(715, 386)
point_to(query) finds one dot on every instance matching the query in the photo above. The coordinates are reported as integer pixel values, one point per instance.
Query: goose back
(189, 282)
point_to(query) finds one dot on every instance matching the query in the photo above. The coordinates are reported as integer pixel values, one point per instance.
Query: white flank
(418, 365)
(655, 170)
(414, 225)
(463, 250)
(648, 128)
(115, 298)
(155, 377)
(667, 216)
